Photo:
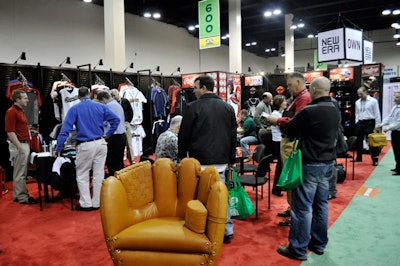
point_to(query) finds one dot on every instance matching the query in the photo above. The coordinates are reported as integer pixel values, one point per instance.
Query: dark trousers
(363, 128)
(276, 152)
(115, 153)
(396, 148)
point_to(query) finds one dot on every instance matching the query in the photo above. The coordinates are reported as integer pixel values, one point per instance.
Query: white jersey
(138, 134)
(136, 98)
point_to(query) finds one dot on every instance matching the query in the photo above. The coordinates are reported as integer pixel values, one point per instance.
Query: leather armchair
(164, 214)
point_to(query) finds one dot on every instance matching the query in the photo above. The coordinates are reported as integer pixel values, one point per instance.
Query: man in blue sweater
(88, 118)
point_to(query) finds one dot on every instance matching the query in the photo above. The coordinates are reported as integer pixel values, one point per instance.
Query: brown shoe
(283, 250)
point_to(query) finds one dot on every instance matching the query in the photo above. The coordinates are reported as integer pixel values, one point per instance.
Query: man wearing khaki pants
(301, 97)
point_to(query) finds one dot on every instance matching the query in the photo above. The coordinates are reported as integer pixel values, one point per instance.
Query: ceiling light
(293, 27)
(254, 43)
(396, 12)
(191, 28)
(87, 1)
(395, 25)
(301, 24)
(66, 60)
(267, 13)
(267, 50)
(197, 26)
(273, 49)
(156, 15)
(22, 57)
(386, 12)
(310, 36)
(147, 14)
(396, 36)
(277, 12)
(398, 42)
(247, 44)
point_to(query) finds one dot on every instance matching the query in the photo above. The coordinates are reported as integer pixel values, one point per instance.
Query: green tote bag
(292, 172)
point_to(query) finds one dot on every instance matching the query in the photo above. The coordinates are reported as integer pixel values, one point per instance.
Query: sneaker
(228, 239)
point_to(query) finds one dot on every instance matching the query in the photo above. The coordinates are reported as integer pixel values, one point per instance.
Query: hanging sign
(209, 24)
(368, 52)
(339, 44)
(319, 66)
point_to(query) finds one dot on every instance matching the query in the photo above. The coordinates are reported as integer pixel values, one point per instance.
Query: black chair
(258, 153)
(261, 176)
(351, 144)
(43, 176)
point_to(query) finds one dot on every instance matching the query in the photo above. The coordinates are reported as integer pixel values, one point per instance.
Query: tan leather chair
(163, 214)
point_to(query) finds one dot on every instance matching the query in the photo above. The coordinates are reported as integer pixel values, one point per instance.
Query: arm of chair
(114, 210)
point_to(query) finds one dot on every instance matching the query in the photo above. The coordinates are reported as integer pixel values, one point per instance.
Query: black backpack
(341, 173)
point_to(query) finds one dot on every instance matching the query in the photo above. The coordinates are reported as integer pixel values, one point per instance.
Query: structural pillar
(114, 33)
(235, 36)
(289, 44)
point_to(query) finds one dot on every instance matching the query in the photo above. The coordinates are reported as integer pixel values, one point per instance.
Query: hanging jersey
(136, 98)
(138, 134)
(159, 100)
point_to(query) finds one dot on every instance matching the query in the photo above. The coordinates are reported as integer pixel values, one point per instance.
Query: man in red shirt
(301, 97)
(18, 135)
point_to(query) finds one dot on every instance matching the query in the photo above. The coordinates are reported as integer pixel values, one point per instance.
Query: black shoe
(396, 173)
(394, 170)
(15, 200)
(277, 193)
(228, 239)
(283, 250)
(95, 208)
(331, 197)
(284, 214)
(83, 209)
(287, 222)
(375, 163)
(30, 200)
(316, 251)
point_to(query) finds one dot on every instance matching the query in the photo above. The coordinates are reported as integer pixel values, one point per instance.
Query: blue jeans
(245, 141)
(229, 223)
(310, 209)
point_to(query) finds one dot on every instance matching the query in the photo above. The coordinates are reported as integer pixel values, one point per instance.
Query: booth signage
(368, 52)
(209, 24)
(339, 44)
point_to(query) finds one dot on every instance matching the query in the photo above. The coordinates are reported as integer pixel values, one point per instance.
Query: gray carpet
(368, 230)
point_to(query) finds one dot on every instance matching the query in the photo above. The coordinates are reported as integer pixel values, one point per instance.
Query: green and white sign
(209, 25)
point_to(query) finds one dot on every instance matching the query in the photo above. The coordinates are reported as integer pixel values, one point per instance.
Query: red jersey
(300, 100)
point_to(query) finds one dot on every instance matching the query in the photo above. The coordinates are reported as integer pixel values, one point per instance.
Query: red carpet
(59, 236)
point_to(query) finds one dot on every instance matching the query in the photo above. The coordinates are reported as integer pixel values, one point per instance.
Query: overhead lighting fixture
(100, 63)
(249, 69)
(66, 60)
(22, 57)
(129, 66)
(267, 13)
(396, 35)
(398, 42)
(254, 43)
(177, 70)
(191, 28)
(277, 12)
(310, 35)
(156, 15)
(87, 1)
(147, 14)
(157, 69)
(300, 24)
(396, 12)
(395, 25)
(293, 27)
(386, 12)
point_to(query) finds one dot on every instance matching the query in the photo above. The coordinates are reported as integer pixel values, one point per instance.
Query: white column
(235, 36)
(289, 44)
(114, 33)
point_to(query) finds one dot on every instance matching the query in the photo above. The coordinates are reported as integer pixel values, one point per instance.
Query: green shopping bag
(292, 173)
(240, 205)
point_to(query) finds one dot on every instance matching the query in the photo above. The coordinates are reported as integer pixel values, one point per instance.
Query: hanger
(129, 82)
(176, 82)
(99, 81)
(21, 77)
(64, 77)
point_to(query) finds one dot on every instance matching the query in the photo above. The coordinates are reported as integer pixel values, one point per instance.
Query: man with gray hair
(167, 142)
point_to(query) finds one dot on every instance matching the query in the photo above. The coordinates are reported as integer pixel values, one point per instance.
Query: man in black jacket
(208, 133)
(316, 125)
(128, 112)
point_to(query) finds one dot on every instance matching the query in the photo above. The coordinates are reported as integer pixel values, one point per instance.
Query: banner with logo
(209, 24)
(368, 52)
(339, 44)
